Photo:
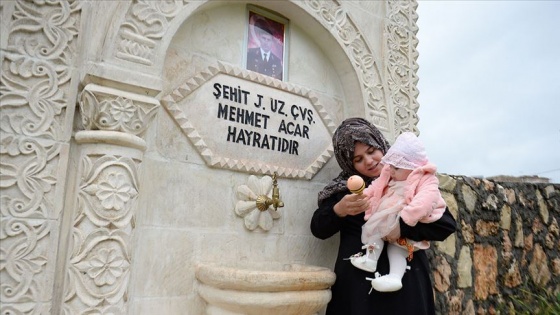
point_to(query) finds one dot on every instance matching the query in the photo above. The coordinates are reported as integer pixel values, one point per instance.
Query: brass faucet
(263, 201)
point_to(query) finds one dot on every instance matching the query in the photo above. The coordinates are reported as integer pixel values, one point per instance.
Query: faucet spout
(276, 202)
(263, 202)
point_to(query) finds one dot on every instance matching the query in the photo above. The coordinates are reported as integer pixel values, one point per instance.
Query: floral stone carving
(246, 206)
(99, 269)
(104, 108)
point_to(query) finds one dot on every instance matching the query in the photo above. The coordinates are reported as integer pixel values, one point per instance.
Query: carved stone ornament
(100, 257)
(25, 252)
(343, 28)
(35, 89)
(145, 24)
(105, 108)
(38, 45)
(29, 176)
(400, 40)
(246, 206)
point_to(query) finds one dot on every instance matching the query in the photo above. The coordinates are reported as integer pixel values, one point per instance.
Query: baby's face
(398, 174)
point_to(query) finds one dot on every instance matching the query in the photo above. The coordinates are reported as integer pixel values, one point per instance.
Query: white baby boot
(387, 283)
(365, 262)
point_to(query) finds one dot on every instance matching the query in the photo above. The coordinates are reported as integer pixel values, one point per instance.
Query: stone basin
(264, 289)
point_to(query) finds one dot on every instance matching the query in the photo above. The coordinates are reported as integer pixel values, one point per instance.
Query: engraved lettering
(235, 94)
(304, 113)
(218, 92)
(293, 129)
(262, 141)
(242, 116)
(260, 101)
(277, 106)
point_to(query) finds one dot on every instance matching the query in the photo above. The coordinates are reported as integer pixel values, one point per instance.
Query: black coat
(350, 291)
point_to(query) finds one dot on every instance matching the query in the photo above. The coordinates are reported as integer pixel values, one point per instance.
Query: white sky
(490, 86)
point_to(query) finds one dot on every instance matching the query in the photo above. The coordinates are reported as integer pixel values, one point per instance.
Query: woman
(359, 147)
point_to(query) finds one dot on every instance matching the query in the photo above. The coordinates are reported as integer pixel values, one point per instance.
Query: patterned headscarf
(344, 139)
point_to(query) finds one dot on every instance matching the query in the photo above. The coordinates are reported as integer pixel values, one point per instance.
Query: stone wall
(506, 247)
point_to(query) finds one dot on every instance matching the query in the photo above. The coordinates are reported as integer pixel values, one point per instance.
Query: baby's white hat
(407, 152)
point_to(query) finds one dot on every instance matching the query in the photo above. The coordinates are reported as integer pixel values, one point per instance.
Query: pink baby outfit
(414, 199)
(417, 199)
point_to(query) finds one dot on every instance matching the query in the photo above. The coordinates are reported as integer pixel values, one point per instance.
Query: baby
(406, 189)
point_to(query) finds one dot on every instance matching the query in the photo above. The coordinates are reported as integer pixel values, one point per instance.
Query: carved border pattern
(99, 267)
(104, 108)
(401, 41)
(145, 24)
(39, 46)
(24, 256)
(28, 168)
(170, 103)
(334, 17)
(35, 68)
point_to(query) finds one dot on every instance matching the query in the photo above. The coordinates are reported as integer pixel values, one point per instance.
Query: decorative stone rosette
(246, 206)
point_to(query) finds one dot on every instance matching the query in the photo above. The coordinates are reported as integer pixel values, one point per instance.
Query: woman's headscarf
(344, 139)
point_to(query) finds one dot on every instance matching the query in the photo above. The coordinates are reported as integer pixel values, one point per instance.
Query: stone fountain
(270, 288)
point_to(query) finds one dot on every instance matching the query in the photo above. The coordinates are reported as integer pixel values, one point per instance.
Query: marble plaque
(245, 121)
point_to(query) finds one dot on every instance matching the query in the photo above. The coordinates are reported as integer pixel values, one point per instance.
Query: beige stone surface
(269, 288)
(465, 276)
(447, 183)
(519, 235)
(468, 232)
(538, 268)
(451, 203)
(448, 246)
(166, 305)
(470, 197)
(543, 208)
(505, 220)
(164, 262)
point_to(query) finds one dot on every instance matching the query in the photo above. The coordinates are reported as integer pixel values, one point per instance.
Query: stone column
(104, 196)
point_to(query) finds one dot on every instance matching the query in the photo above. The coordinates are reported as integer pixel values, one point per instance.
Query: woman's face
(366, 160)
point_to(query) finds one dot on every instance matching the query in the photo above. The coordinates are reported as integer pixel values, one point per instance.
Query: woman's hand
(351, 204)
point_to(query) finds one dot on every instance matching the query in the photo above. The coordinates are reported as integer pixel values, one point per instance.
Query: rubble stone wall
(506, 249)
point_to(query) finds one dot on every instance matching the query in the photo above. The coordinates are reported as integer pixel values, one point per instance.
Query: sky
(489, 82)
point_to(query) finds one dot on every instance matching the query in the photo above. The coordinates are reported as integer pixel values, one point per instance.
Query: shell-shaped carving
(246, 206)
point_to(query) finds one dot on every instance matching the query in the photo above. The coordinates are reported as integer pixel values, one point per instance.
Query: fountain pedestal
(267, 289)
